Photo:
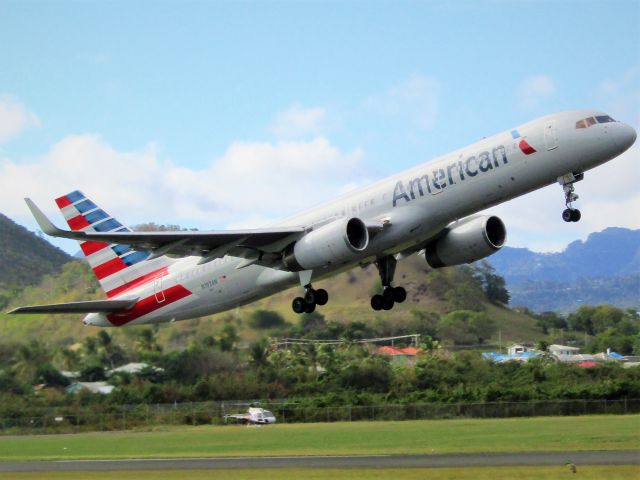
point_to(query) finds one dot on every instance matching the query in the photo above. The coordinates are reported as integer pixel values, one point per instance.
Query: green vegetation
(213, 369)
(19, 268)
(359, 438)
(230, 356)
(587, 472)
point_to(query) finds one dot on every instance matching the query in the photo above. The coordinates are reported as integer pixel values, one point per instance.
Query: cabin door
(550, 135)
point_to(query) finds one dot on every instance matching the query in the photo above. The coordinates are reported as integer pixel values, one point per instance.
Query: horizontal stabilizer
(96, 306)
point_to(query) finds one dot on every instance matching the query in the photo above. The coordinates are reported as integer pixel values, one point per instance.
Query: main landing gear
(570, 214)
(307, 304)
(390, 295)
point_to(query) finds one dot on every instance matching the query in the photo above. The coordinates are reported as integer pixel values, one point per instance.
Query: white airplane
(256, 416)
(167, 276)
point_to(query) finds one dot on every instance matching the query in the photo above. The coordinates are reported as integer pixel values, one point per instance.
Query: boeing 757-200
(431, 209)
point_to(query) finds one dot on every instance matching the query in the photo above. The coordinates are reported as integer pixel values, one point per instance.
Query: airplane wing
(209, 245)
(97, 306)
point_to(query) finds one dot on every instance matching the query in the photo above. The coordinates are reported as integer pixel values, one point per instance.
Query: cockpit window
(604, 119)
(587, 122)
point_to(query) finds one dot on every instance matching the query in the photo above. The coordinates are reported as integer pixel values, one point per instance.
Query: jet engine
(336, 242)
(466, 241)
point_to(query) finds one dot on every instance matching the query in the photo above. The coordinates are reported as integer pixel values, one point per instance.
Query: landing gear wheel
(299, 305)
(377, 302)
(399, 294)
(387, 294)
(310, 296)
(322, 297)
(571, 215)
(575, 215)
(311, 307)
(387, 304)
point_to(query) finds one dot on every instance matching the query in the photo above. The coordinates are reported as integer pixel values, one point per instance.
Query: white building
(563, 350)
(518, 349)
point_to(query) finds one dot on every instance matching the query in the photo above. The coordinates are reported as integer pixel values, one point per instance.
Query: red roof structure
(386, 350)
(587, 364)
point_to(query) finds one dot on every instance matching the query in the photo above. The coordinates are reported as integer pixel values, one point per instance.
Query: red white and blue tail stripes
(118, 267)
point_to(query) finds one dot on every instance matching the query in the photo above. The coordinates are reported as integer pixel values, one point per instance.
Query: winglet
(45, 224)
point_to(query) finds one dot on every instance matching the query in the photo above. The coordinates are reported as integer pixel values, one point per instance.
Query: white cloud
(534, 90)
(415, 99)
(251, 181)
(609, 196)
(622, 96)
(14, 118)
(298, 122)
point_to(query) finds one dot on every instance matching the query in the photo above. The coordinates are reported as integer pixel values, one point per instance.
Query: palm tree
(258, 351)
(28, 359)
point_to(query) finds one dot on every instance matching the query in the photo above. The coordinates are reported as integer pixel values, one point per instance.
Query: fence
(212, 413)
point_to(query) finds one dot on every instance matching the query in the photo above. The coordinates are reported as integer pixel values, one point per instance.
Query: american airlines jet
(431, 209)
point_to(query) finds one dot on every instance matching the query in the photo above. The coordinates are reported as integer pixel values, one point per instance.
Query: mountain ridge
(25, 257)
(604, 268)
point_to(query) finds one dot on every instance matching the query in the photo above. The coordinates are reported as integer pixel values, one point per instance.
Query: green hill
(429, 293)
(24, 258)
(34, 272)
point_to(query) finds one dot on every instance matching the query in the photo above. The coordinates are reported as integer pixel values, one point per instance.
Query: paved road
(366, 461)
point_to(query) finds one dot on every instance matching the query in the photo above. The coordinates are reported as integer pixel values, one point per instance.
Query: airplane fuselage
(412, 206)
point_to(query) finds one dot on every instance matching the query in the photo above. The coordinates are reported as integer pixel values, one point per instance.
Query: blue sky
(226, 114)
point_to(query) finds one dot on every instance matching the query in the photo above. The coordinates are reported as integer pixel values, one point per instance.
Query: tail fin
(118, 267)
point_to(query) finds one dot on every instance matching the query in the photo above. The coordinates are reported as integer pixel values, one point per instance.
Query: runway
(624, 457)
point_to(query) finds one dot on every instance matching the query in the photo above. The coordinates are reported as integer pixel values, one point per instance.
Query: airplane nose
(624, 136)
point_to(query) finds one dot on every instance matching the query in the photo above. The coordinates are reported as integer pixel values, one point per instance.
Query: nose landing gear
(570, 214)
(390, 295)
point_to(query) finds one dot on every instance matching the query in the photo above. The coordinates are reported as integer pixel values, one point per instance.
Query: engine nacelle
(466, 241)
(337, 242)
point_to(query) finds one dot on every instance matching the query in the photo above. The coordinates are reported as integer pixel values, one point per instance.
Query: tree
(312, 321)
(93, 373)
(494, 285)
(356, 331)
(548, 320)
(28, 359)
(110, 353)
(146, 341)
(465, 327)
(598, 319)
(258, 351)
(424, 322)
(69, 359)
(373, 373)
(228, 338)
(262, 319)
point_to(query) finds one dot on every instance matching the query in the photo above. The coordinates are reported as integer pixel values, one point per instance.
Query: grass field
(602, 432)
(587, 472)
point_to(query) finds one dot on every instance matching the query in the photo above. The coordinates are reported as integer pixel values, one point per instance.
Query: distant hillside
(349, 292)
(603, 269)
(24, 257)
